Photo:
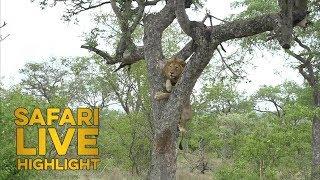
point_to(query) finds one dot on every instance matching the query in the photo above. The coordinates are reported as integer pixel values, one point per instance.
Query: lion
(173, 71)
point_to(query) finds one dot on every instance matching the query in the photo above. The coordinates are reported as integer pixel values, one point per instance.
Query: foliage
(9, 101)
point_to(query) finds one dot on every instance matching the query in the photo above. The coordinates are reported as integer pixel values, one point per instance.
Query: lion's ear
(165, 67)
(161, 65)
(182, 63)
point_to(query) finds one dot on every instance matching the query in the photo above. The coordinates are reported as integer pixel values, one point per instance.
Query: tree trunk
(164, 156)
(316, 138)
(164, 149)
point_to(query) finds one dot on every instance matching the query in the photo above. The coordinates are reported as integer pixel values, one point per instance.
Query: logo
(71, 135)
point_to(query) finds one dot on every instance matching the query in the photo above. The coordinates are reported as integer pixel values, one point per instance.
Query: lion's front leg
(161, 95)
(168, 85)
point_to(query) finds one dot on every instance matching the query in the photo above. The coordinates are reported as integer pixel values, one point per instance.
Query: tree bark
(315, 174)
(285, 27)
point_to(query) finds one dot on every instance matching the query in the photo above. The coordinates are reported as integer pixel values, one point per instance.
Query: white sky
(37, 34)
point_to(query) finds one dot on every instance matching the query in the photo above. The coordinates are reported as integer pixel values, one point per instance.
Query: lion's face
(173, 69)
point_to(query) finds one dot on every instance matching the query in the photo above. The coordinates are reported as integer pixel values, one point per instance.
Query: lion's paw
(182, 129)
(158, 96)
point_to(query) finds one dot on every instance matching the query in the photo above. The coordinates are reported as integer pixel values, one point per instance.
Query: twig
(211, 16)
(3, 38)
(296, 39)
(205, 18)
(80, 8)
(4, 24)
(224, 62)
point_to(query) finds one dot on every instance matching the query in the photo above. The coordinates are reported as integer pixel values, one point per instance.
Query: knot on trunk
(164, 141)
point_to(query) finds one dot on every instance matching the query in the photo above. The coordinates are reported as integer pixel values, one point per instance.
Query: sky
(37, 34)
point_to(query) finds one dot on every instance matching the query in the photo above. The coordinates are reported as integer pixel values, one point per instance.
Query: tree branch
(150, 3)
(221, 33)
(128, 59)
(244, 28)
(186, 51)
(80, 8)
(303, 73)
(285, 27)
(298, 57)
(101, 53)
(211, 16)
(195, 66)
(225, 63)
(182, 17)
(121, 19)
(296, 39)
(139, 15)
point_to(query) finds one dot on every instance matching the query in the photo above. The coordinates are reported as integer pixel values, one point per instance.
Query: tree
(305, 51)
(205, 40)
(47, 80)
(221, 98)
(272, 95)
(309, 68)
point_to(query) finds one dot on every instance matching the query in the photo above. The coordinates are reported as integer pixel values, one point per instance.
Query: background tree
(305, 52)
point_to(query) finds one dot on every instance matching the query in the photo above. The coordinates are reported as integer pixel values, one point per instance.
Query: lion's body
(173, 71)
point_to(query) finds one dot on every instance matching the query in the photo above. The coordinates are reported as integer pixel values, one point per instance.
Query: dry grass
(185, 163)
(182, 174)
(185, 175)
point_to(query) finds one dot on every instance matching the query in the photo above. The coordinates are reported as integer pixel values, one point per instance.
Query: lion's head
(173, 69)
